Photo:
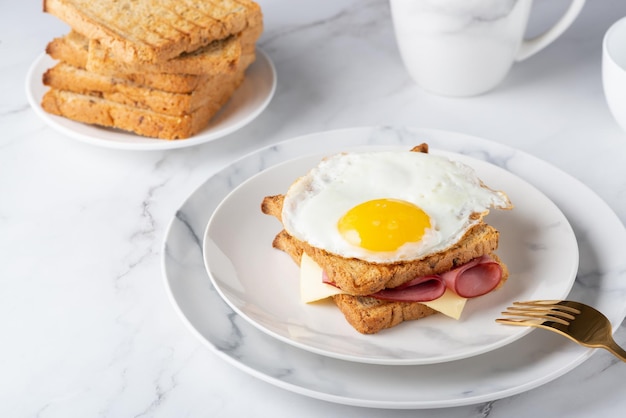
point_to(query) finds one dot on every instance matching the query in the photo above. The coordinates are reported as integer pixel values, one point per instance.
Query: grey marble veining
(89, 327)
(292, 367)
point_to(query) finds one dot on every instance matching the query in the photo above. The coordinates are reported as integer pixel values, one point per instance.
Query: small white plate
(532, 361)
(250, 99)
(261, 283)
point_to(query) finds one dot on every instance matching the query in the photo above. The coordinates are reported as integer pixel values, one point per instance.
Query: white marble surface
(87, 326)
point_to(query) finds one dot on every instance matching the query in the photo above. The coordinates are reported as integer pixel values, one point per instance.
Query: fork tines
(538, 312)
(575, 320)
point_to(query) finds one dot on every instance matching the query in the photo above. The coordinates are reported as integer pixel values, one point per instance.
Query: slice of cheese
(449, 304)
(313, 289)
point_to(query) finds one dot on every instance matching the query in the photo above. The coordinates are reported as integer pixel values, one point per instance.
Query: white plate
(523, 365)
(250, 99)
(260, 283)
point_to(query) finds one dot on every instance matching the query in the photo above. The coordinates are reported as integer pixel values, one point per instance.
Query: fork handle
(616, 350)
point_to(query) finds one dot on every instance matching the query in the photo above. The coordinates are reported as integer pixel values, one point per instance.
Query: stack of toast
(157, 68)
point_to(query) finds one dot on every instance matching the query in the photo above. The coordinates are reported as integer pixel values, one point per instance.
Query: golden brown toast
(73, 49)
(155, 30)
(98, 111)
(219, 56)
(369, 315)
(67, 77)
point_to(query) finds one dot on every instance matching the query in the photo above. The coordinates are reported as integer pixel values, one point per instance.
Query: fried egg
(387, 206)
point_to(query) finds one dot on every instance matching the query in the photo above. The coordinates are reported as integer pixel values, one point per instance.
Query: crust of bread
(155, 31)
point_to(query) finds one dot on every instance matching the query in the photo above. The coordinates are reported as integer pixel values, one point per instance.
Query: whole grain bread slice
(73, 49)
(220, 56)
(155, 30)
(358, 277)
(99, 111)
(369, 315)
(69, 78)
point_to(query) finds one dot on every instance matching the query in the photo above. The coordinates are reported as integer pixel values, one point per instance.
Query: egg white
(448, 191)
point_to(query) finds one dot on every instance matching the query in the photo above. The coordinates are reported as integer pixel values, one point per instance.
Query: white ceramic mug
(467, 47)
(614, 70)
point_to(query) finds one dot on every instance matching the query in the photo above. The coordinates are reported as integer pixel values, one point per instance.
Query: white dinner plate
(527, 363)
(248, 101)
(261, 283)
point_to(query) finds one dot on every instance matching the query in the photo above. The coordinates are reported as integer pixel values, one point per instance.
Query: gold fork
(577, 321)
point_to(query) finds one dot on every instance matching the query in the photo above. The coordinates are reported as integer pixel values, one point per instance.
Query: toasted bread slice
(99, 111)
(369, 315)
(217, 88)
(358, 277)
(155, 31)
(219, 56)
(73, 49)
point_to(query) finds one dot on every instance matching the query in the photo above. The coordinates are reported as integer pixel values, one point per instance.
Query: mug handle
(531, 46)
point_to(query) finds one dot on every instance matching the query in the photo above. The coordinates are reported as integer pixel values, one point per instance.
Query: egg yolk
(383, 224)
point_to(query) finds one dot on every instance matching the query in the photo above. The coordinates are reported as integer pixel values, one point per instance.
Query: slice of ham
(421, 289)
(476, 278)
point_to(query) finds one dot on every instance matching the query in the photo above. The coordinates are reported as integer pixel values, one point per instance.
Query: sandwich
(391, 236)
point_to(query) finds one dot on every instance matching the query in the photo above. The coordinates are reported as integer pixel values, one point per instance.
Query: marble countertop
(88, 327)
